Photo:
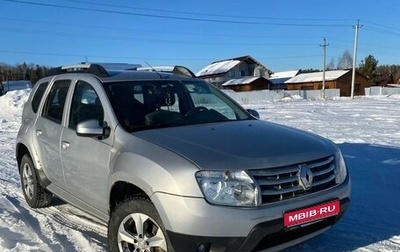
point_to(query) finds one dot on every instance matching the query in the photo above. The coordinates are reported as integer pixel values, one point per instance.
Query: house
(249, 83)
(278, 79)
(336, 79)
(384, 80)
(219, 72)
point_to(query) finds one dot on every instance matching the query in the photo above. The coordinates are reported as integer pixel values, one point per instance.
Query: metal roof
(317, 76)
(284, 74)
(218, 67)
(223, 66)
(241, 81)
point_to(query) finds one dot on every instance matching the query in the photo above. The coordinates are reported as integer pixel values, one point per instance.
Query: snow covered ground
(366, 129)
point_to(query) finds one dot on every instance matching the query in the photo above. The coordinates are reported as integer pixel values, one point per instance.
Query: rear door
(49, 126)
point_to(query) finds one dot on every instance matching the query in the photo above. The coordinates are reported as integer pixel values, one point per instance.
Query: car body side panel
(152, 168)
(86, 163)
(48, 134)
(27, 134)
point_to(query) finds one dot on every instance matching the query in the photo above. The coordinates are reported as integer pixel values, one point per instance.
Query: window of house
(54, 106)
(232, 73)
(357, 88)
(242, 73)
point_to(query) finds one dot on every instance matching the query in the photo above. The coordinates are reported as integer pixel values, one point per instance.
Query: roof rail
(178, 70)
(98, 69)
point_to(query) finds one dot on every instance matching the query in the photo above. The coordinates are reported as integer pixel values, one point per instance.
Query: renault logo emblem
(305, 176)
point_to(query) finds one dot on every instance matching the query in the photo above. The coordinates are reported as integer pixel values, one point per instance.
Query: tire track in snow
(89, 232)
(13, 212)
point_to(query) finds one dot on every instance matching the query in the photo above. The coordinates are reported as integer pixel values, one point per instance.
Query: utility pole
(353, 77)
(324, 45)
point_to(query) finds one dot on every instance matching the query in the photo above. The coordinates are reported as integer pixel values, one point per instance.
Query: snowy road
(366, 129)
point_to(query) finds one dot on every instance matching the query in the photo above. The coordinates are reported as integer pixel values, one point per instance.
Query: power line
(175, 17)
(373, 29)
(135, 29)
(131, 57)
(155, 40)
(206, 14)
(381, 25)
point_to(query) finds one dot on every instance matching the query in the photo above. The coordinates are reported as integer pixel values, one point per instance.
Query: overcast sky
(283, 35)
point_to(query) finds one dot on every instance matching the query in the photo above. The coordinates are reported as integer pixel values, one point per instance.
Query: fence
(381, 91)
(273, 95)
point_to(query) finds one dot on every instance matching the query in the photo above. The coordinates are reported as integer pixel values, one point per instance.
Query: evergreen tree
(368, 67)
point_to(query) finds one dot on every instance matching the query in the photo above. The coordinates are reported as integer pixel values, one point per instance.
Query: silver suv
(174, 164)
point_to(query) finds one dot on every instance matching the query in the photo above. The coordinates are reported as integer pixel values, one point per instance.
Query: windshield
(142, 105)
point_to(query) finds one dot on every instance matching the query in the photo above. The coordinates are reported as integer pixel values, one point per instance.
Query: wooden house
(247, 84)
(336, 79)
(219, 72)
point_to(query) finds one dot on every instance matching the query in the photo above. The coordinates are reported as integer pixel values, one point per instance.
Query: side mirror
(90, 128)
(254, 113)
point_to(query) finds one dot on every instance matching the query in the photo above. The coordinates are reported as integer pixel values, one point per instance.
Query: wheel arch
(121, 191)
(20, 151)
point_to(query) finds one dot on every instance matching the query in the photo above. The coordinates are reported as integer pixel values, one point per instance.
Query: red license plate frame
(311, 213)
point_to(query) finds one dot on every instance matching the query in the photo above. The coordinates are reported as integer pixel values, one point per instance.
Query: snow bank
(13, 101)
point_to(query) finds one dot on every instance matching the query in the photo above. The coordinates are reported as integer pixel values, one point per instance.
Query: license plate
(310, 214)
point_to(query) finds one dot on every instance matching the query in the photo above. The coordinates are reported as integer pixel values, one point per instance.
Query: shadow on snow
(373, 215)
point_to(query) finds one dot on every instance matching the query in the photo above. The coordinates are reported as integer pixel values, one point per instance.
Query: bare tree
(346, 61)
(331, 64)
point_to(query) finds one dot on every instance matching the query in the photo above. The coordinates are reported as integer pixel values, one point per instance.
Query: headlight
(231, 188)
(341, 170)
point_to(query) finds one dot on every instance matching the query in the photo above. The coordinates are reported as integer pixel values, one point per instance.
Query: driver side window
(85, 105)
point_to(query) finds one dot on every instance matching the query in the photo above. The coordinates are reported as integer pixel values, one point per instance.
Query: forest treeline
(24, 71)
(369, 67)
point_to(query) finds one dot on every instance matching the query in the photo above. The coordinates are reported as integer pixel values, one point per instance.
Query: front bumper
(193, 224)
(268, 236)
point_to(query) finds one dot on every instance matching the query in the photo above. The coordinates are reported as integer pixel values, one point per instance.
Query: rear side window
(54, 107)
(38, 96)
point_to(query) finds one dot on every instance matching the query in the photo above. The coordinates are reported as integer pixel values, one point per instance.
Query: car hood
(249, 144)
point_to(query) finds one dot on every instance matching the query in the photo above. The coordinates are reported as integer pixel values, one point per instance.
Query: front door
(86, 159)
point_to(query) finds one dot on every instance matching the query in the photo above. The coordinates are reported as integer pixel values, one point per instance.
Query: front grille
(283, 183)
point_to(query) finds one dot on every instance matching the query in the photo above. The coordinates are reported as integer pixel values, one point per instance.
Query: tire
(35, 195)
(135, 225)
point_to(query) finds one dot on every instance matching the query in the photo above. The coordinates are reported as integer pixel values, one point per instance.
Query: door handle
(38, 132)
(64, 145)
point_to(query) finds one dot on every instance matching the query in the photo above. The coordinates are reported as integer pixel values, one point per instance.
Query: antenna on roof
(152, 68)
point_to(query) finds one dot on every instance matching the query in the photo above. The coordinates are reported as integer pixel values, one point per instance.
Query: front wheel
(136, 226)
